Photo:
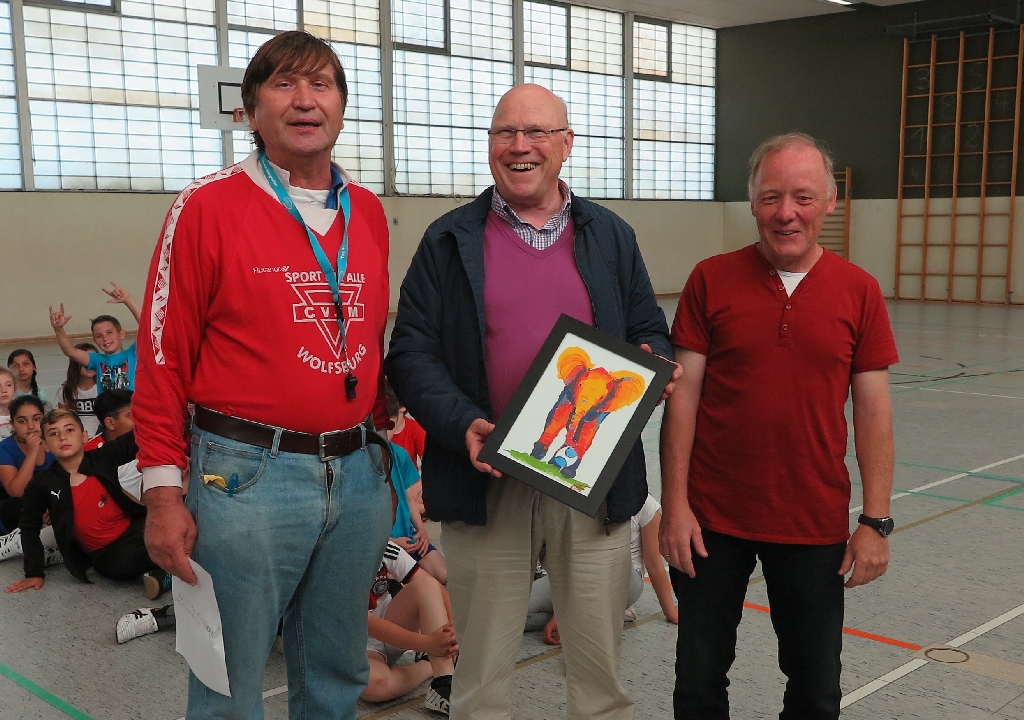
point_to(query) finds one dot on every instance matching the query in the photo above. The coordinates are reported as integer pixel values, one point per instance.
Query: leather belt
(327, 446)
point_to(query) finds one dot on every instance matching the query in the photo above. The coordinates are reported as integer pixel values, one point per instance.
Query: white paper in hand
(200, 638)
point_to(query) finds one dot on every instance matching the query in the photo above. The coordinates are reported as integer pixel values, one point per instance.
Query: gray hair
(780, 142)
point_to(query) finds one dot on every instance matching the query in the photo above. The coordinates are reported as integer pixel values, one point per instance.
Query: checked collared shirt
(538, 238)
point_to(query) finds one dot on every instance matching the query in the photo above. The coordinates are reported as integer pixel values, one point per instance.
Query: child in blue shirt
(409, 532)
(115, 365)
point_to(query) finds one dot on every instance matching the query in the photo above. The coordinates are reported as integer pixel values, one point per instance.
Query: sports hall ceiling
(726, 13)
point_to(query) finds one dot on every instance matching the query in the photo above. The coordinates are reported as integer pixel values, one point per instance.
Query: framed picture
(575, 416)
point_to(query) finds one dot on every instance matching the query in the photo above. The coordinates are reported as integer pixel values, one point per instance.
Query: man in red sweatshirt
(265, 307)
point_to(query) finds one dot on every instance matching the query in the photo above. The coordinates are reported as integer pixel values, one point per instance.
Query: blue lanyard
(333, 280)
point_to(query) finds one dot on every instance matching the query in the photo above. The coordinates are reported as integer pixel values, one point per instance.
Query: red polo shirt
(768, 460)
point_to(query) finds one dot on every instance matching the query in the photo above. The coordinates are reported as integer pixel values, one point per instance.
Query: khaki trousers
(490, 573)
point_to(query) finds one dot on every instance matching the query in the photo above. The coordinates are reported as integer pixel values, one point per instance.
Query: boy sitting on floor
(409, 531)
(94, 521)
(416, 618)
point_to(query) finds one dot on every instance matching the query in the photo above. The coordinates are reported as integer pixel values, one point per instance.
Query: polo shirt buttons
(782, 287)
(789, 307)
(785, 327)
(771, 272)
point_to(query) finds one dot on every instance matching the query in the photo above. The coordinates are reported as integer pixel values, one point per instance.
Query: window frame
(667, 24)
(568, 36)
(113, 9)
(445, 50)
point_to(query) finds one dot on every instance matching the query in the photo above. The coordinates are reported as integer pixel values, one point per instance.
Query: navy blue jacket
(436, 358)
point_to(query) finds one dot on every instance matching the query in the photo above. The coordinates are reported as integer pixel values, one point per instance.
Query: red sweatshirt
(238, 317)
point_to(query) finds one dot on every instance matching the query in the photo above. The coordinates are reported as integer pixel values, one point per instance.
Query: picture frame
(576, 414)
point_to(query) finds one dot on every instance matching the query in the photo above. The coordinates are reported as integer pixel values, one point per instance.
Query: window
(114, 100)
(351, 21)
(242, 45)
(360, 148)
(421, 23)
(594, 168)
(270, 14)
(650, 48)
(545, 34)
(592, 89)
(443, 103)
(10, 148)
(113, 91)
(674, 116)
(596, 41)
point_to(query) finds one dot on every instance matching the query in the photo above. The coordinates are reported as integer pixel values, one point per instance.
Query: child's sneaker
(439, 695)
(630, 616)
(53, 557)
(10, 544)
(136, 624)
(156, 583)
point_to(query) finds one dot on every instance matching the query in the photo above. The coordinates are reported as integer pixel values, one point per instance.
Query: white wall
(62, 247)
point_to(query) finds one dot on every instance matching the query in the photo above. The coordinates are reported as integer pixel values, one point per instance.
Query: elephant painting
(590, 394)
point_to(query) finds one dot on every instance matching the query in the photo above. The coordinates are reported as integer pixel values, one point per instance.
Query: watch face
(887, 526)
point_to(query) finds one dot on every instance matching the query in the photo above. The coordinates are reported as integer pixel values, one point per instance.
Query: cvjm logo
(317, 306)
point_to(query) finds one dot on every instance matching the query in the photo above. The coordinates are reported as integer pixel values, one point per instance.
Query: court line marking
(951, 478)
(890, 677)
(987, 500)
(43, 694)
(963, 392)
(851, 631)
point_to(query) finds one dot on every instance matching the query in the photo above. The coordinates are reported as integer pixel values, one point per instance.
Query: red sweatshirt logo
(317, 306)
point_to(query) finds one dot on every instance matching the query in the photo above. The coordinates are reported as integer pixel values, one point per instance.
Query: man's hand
(676, 374)
(476, 434)
(34, 583)
(551, 635)
(170, 531)
(441, 642)
(57, 317)
(678, 533)
(868, 554)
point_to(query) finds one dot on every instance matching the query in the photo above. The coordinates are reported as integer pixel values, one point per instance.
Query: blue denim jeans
(297, 539)
(805, 591)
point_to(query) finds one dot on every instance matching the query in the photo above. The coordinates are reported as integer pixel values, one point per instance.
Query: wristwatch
(884, 526)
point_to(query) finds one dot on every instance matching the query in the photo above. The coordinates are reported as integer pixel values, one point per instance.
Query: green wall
(837, 77)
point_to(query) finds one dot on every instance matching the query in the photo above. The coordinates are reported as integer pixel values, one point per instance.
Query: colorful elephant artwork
(590, 395)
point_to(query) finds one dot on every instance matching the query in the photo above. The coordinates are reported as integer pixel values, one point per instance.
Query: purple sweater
(525, 292)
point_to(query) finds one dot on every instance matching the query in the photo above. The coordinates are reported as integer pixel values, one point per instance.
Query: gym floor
(954, 580)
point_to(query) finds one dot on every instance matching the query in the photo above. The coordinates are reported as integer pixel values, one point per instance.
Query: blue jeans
(297, 539)
(805, 591)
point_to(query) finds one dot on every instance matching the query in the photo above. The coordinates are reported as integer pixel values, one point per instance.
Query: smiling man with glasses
(486, 286)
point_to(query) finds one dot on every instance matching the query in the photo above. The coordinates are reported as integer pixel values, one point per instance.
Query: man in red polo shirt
(771, 339)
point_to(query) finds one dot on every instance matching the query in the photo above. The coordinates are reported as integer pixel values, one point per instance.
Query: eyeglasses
(504, 136)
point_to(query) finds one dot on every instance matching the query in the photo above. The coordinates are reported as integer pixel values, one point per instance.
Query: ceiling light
(838, 2)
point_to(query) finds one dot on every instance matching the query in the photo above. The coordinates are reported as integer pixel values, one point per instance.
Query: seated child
(114, 413)
(22, 363)
(644, 553)
(79, 390)
(409, 532)
(114, 366)
(94, 521)
(7, 393)
(22, 456)
(408, 433)
(416, 618)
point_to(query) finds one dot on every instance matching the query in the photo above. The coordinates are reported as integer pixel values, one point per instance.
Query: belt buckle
(323, 437)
